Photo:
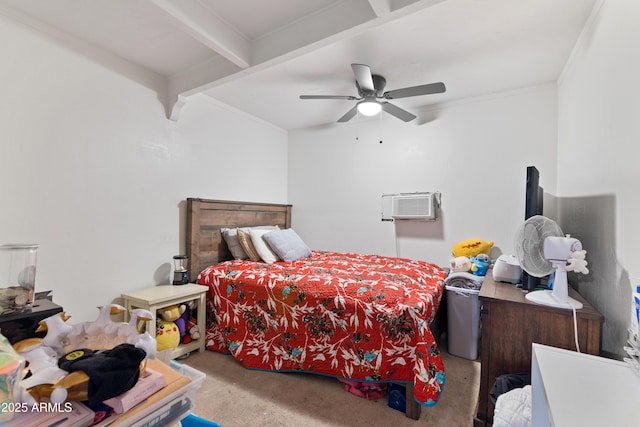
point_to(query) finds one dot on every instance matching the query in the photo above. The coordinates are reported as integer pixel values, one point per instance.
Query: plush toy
(167, 333)
(193, 332)
(472, 247)
(577, 262)
(460, 264)
(479, 264)
(47, 380)
(182, 321)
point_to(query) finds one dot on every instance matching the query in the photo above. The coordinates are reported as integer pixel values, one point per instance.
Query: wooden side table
(158, 297)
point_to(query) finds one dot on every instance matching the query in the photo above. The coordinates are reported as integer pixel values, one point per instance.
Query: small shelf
(157, 297)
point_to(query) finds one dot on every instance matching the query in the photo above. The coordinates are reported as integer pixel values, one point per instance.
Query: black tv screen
(534, 195)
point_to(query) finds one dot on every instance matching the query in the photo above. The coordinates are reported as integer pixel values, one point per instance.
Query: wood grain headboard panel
(205, 218)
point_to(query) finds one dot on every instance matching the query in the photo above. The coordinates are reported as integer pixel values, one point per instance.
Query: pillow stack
(265, 243)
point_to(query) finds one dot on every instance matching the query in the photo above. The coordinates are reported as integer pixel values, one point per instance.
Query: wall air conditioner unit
(412, 206)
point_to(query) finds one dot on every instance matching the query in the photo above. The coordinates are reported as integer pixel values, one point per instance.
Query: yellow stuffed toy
(472, 247)
(167, 332)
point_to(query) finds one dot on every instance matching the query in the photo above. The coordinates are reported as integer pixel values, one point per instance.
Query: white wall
(92, 171)
(475, 152)
(599, 173)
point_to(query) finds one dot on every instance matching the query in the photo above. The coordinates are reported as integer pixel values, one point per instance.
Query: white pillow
(261, 247)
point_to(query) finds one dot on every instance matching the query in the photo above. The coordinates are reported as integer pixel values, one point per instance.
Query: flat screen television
(534, 195)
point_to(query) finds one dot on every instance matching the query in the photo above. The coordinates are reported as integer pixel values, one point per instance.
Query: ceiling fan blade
(347, 97)
(427, 89)
(363, 76)
(403, 115)
(348, 115)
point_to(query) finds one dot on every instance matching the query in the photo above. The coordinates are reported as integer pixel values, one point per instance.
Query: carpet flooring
(237, 397)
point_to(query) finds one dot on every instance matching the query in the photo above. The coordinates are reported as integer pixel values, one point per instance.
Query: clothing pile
(368, 390)
(111, 372)
(511, 395)
(464, 280)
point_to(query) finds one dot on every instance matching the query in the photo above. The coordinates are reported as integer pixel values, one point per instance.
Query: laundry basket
(463, 314)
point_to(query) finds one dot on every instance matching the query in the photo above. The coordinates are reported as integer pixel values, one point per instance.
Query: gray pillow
(230, 236)
(287, 244)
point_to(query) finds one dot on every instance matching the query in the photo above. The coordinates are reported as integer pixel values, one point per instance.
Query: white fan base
(546, 297)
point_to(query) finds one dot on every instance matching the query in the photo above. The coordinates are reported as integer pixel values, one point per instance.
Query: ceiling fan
(370, 90)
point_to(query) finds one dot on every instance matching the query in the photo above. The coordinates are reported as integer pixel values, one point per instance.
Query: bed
(352, 316)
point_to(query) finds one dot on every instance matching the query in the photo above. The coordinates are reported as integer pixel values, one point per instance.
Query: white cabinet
(576, 389)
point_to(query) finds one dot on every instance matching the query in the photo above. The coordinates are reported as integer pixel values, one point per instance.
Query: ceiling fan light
(369, 108)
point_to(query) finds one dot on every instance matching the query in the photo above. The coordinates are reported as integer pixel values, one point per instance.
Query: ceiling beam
(343, 19)
(201, 24)
(380, 7)
(180, 86)
(323, 27)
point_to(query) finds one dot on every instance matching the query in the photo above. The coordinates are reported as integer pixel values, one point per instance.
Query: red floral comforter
(363, 317)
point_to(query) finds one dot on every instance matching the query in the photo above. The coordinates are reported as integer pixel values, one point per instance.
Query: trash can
(463, 313)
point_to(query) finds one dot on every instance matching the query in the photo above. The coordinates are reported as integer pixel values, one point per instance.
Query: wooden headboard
(205, 218)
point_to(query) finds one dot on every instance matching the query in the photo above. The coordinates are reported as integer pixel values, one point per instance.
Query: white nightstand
(158, 297)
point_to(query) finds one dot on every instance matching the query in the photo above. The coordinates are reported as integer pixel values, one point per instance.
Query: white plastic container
(168, 411)
(17, 276)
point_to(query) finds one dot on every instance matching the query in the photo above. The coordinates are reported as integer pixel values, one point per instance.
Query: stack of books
(149, 383)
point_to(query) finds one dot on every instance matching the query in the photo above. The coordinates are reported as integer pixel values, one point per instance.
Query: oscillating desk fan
(541, 249)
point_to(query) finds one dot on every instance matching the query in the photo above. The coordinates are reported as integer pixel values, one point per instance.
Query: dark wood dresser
(510, 324)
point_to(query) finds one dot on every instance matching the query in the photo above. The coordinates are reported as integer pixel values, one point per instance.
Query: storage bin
(169, 410)
(397, 396)
(463, 314)
(176, 407)
(196, 376)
